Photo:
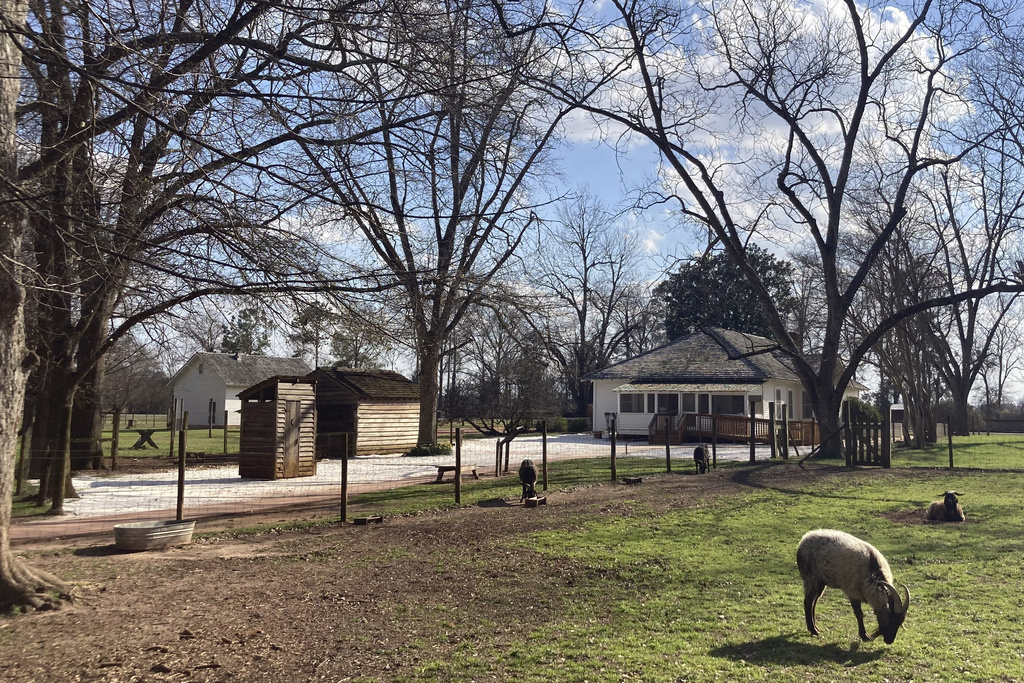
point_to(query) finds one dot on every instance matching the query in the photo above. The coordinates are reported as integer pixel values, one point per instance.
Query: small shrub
(429, 449)
(578, 424)
(862, 411)
(557, 424)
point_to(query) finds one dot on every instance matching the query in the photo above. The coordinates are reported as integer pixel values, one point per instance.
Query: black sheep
(528, 477)
(701, 458)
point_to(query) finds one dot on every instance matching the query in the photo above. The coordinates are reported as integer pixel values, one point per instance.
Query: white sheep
(838, 560)
(946, 510)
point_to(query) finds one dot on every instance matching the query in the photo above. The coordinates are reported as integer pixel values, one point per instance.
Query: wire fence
(153, 478)
(198, 477)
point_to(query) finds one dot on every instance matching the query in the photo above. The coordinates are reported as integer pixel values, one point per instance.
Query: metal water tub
(149, 535)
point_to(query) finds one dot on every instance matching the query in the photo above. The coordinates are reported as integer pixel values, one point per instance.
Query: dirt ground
(327, 603)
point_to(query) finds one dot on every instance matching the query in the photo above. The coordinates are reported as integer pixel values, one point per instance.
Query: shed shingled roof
(713, 355)
(245, 371)
(373, 384)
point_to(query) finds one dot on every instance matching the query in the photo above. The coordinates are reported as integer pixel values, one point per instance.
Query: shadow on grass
(494, 503)
(794, 649)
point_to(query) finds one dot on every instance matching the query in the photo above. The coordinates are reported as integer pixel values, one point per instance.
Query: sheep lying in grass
(838, 560)
(528, 478)
(946, 510)
(701, 459)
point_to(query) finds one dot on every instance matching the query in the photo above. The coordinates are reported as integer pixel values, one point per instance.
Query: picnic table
(145, 438)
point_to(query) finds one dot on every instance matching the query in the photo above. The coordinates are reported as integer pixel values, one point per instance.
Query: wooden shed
(278, 438)
(365, 412)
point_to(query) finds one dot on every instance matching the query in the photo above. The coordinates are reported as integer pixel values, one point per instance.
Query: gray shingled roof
(373, 383)
(245, 371)
(713, 355)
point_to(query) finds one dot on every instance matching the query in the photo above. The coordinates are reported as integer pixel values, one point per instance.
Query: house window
(689, 403)
(789, 403)
(650, 404)
(631, 403)
(668, 403)
(727, 405)
(808, 411)
(704, 404)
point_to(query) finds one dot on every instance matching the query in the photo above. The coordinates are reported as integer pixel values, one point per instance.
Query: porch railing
(735, 428)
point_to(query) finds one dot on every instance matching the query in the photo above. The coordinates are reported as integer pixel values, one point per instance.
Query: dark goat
(946, 510)
(701, 458)
(528, 477)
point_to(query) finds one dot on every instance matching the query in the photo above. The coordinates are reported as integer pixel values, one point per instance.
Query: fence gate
(867, 443)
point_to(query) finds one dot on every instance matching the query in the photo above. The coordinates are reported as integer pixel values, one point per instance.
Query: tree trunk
(20, 585)
(430, 362)
(826, 411)
(960, 421)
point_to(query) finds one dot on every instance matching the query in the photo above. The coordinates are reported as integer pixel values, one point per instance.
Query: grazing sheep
(838, 560)
(528, 477)
(701, 458)
(946, 510)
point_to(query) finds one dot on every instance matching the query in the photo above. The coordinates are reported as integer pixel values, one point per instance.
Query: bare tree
(20, 584)
(587, 267)
(780, 122)
(438, 193)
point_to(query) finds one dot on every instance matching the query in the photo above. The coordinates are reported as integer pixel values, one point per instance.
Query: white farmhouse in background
(208, 384)
(711, 372)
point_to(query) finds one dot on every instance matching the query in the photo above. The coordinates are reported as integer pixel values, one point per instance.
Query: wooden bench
(441, 469)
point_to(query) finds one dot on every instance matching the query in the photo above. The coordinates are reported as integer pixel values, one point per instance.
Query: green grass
(714, 594)
(998, 451)
(562, 475)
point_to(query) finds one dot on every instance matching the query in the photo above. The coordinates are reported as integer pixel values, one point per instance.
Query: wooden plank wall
(303, 393)
(387, 427)
(258, 441)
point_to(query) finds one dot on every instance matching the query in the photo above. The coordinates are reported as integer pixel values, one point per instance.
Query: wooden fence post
(182, 445)
(612, 437)
(225, 432)
(115, 439)
(458, 466)
(785, 431)
(772, 431)
(173, 420)
(497, 458)
(544, 452)
(886, 442)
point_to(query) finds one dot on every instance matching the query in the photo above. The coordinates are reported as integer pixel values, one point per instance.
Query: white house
(711, 372)
(208, 384)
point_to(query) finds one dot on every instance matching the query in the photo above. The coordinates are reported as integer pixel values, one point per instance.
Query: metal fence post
(458, 465)
(544, 452)
(115, 439)
(668, 446)
(753, 430)
(344, 482)
(612, 437)
(182, 445)
(714, 441)
(949, 435)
